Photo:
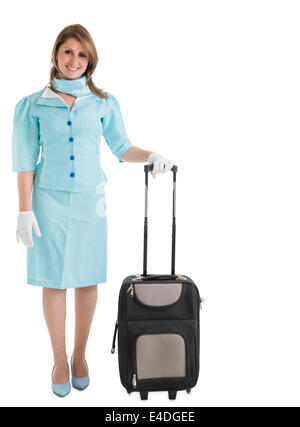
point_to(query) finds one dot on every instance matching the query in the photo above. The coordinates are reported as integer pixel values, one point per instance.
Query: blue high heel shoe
(80, 383)
(60, 390)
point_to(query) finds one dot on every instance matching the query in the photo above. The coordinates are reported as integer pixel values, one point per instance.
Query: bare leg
(54, 305)
(85, 305)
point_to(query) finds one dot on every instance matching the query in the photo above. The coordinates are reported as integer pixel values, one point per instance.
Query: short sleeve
(114, 130)
(25, 138)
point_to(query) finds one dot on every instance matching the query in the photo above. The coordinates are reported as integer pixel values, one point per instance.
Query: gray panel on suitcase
(160, 356)
(158, 294)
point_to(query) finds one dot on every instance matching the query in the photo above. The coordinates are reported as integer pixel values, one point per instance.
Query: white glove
(27, 221)
(160, 164)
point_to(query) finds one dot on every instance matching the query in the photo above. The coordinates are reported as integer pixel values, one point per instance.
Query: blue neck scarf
(76, 87)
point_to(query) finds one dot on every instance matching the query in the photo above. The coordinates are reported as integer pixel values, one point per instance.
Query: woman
(62, 197)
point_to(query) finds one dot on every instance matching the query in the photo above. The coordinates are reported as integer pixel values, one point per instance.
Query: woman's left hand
(160, 164)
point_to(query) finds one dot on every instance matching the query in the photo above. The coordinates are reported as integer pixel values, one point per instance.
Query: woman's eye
(83, 55)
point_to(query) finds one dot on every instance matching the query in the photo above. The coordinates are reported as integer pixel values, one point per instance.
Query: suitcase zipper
(130, 290)
(134, 381)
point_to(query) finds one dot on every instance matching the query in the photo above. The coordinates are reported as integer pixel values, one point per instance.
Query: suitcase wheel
(188, 390)
(172, 394)
(144, 395)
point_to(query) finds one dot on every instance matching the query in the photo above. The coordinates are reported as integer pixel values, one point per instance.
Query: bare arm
(25, 182)
(135, 154)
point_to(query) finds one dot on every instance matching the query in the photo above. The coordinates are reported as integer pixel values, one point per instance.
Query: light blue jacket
(69, 140)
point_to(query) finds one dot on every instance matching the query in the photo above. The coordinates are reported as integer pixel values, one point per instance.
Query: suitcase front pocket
(160, 356)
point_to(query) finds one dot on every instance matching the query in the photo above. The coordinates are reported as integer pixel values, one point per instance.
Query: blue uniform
(68, 197)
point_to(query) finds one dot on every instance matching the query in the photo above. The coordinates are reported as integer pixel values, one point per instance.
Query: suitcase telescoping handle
(147, 169)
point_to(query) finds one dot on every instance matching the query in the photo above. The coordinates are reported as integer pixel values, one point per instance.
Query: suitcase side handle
(147, 169)
(151, 277)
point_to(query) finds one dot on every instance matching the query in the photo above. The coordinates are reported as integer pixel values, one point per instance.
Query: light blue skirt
(72, 251)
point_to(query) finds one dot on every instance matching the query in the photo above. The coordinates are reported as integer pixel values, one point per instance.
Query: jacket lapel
(52, 99)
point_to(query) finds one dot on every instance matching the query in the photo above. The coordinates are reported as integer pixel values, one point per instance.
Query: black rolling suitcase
(158, 325)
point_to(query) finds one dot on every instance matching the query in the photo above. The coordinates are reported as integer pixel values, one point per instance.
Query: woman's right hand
(27, 221)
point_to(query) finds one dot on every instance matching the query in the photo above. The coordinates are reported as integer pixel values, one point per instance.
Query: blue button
(71, 139)
(69, 123)
(72, 174)
(71, 157)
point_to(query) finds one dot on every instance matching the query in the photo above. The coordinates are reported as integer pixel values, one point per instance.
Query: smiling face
(72, 59)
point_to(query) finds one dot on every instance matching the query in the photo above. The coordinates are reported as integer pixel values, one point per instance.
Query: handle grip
(148, 168)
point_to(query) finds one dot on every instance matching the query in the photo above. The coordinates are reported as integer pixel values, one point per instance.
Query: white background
(214, 86)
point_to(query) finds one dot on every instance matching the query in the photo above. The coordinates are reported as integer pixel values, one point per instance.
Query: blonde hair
(78, 32)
